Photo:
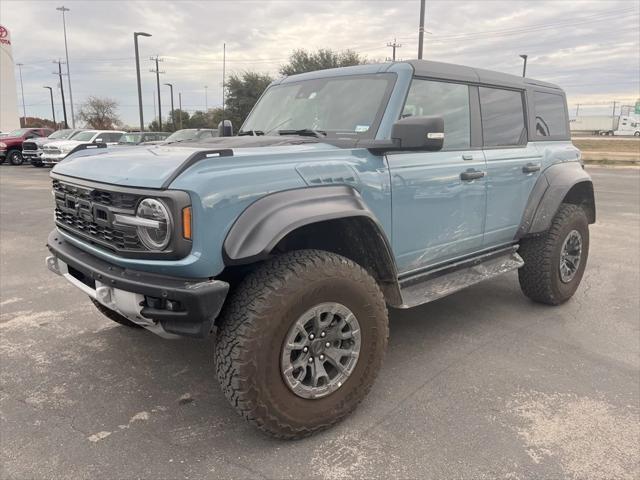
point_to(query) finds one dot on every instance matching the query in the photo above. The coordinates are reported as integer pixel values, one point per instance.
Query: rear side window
(551, 119)
(448, 100)
(502, 117)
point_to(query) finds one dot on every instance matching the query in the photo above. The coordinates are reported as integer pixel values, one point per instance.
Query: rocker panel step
(437, 286)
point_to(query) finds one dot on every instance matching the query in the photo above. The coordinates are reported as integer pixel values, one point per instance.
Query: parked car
(11, 145)
(188, 134)
(292, 238)
(136, 138)
(32, 149)
(53, 152)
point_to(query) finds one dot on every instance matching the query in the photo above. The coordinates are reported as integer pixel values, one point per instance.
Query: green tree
(301, 61)
(243, 90)
(99, 113)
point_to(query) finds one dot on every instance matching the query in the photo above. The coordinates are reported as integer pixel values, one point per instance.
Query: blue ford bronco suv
(345, 192)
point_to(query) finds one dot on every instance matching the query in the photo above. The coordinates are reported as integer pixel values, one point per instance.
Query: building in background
(9, 119)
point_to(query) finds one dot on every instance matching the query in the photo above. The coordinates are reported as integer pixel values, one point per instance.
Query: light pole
(135, 42)
(206, 100)
(524, 67)
(64, 9)
(423, 7)
(173, 112)
(24, 110)
(53, 110)
(180, 107)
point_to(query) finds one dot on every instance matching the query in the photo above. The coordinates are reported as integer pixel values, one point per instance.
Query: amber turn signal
(186, 223)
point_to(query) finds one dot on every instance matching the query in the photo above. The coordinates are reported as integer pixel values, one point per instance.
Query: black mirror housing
(418, 133)
(226, 129)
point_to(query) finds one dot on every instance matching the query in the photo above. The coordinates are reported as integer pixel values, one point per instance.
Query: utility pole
(64, 108)
(155, 113)
(180, 106)
(423, 8)
(135, 43)
(63, 9)
(53, 110)
(577, 109)
(158, 72)
(24, 110)
(524, 67)
(224, 71)
(393, 46)
(206, 100)
(173, 112)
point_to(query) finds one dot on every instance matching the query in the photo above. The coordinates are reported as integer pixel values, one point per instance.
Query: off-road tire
(540, 276)
(115, 316)
(15, 157)
(253, 327)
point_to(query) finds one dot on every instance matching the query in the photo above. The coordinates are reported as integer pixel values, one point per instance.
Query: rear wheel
(115, 316)
(555, 261)
(300, 342)
(15, 157)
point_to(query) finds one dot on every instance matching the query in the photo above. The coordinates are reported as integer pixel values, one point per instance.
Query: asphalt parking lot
(482, 384)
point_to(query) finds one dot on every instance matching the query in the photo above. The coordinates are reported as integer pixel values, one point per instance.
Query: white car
(53, 152)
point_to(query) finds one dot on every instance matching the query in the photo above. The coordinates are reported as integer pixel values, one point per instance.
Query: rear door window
(502, 114)
(447, 100)
(551, 118)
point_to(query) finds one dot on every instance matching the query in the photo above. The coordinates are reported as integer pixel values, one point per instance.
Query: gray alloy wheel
(15, 157)
(570, 256)
(321, 350)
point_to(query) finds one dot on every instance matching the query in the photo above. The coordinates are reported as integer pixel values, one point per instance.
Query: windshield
(338, 106)
(60, 134)
(19, 132)
(84, 136)
(134, 138)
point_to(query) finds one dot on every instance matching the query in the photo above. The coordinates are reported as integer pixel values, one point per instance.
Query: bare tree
(99, 113)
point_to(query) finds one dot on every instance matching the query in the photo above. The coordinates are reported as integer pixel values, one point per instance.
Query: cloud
(589, 48)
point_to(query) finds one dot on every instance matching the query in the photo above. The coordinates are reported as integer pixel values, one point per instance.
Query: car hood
(151, 166)
(12, 139)
(39, 141)
(64, 143)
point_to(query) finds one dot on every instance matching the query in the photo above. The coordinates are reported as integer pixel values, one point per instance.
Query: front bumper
(52, 159)
(160, 303)
(31, 154)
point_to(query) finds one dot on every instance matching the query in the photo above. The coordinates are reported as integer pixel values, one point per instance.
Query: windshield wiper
(304, 132)
(253, 133)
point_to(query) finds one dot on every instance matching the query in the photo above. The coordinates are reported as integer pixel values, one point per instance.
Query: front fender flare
(268, 220)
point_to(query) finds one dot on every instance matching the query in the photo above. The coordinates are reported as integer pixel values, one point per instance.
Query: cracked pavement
(481, 384)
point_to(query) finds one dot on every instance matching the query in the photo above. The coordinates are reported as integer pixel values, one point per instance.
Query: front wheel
(15, 157)
(555, 261)
(300, 342)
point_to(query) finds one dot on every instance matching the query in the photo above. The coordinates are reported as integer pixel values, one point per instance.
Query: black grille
(29, 146)
(124, 201)
(88, 213)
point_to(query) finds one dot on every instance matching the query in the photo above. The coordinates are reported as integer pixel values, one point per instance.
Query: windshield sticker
(362, 128)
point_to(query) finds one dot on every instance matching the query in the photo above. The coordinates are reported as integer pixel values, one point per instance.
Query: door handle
(467, 156)
(531, 168)
(471, 174)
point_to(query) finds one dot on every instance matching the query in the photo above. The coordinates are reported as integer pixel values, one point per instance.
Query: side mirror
(225, 130)
(418, 133)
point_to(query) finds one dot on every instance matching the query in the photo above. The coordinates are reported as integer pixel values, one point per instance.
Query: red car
(11, 145)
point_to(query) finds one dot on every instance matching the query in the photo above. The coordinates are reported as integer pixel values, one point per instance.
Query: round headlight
(157, 234)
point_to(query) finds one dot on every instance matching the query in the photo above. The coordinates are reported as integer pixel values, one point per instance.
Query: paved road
(483, 384)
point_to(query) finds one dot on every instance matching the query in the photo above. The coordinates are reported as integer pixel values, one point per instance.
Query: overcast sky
(590, 48)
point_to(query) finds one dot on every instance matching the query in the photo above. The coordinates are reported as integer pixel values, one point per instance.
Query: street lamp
(173, 112)
(135, 43)
(64, 9)
(524, 67)
(53, 110)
